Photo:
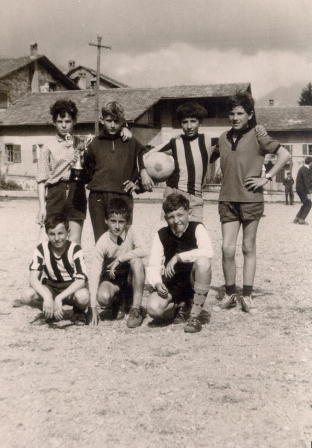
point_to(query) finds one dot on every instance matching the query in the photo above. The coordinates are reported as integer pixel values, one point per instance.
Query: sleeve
(80, 266)
(89, 164)
(155, 265)
(204, 246)
(38, 261)
(306, 180)
(139, 249)
(268, 144)
(43, 170)
(96, 269)
(215, 153)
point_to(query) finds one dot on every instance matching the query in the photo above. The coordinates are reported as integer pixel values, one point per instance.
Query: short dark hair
(114, 109)
(244, 99)
(174, 201)
(308, 160)
(191, 109)
(117, 206)
(63, 107)
(54, 219)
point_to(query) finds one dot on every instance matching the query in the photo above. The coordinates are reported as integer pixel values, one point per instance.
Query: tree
(306, 96)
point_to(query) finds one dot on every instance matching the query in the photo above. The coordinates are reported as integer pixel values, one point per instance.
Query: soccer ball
(159, 166)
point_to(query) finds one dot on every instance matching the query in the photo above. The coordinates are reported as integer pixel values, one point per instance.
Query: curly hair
(174, 201)
(117, 206)
(115, 110)
(54, 219)
(63, 107)
(191, 109)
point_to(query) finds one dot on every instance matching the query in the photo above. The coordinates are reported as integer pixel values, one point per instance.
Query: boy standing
(191, 153)
(288, 184)
(241, 197)
(112, 165)
(186, 250)
(117, 264)
(58, 274)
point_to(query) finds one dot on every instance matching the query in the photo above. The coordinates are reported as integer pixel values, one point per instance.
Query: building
(85, 78)
(150, 114)
(34, 73)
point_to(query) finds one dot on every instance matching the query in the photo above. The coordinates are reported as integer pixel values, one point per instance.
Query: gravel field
(243, 381)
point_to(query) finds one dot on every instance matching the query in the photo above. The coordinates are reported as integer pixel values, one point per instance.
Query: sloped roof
(33, 108)
(8, 66)
(285, 118)
(103, 77)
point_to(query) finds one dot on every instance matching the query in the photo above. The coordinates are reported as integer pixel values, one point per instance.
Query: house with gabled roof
(34, 73)
(150, 114)
(85, 78)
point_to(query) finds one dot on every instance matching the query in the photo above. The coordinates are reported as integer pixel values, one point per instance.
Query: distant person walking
(304, 191)
(288, 184)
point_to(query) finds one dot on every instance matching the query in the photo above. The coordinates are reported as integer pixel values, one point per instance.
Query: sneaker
(228, 301)
(303, 222)
(296, 220)
(193, 325)
(135, 318)
(79, 317)
(181, 315)
(246, 303)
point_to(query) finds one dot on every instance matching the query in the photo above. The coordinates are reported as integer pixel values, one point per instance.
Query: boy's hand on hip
(113, 268)
(169, 269)
(130, 187)
(260, 131)
(253, 183)
(58, 308)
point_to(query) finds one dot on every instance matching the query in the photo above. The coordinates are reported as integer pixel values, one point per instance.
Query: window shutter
(17, 154)
(305, 149)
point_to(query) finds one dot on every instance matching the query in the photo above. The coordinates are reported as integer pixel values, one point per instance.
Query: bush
(9, 185)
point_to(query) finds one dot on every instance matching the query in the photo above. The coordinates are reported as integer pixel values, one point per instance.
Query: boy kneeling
(186, 250)
(58, 274)
(117, 265)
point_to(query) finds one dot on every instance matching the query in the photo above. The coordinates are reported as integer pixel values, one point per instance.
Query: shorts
(56, 288)
(240, 211)
(67, 197)
(180, 286)
(121, 276)
(196, 203)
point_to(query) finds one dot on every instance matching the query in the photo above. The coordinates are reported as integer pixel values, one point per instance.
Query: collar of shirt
(103, 136)
(189, 139)
(114, 238)
(68, 139)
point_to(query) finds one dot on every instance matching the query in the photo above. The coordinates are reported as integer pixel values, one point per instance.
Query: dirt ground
(243, 381)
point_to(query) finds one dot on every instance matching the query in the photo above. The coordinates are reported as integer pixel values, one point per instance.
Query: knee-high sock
(200, 295)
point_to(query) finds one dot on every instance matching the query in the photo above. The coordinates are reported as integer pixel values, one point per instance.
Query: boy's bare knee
(82, 297)
(153, 306)
(203, 263)
(28, 296)
(136, 264)
(103, 298)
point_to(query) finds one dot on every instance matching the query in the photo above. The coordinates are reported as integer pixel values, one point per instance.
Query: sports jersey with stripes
(68, 267)
(191, 156)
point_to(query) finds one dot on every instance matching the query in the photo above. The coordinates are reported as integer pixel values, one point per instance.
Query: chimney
(71, 64)
(271, 102)
(34, 51)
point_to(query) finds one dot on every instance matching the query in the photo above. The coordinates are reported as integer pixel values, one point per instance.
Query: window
(36, 152)
(289, 148)
(13, 153)
(3, 100)
(280, 176)
(307, 150)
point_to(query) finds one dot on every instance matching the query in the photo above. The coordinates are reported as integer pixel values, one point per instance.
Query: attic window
(3, 100)
(52, 86)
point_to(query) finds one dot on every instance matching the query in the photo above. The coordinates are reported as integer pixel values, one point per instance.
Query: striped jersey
(191, 156)
(68, 267)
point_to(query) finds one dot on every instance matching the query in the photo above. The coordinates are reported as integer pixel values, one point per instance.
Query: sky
(169, 42)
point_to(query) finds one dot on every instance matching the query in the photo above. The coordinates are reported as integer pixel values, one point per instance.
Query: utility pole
(97, 87)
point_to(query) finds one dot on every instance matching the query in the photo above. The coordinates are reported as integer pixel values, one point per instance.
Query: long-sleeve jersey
(111, 162)
(303, 179)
